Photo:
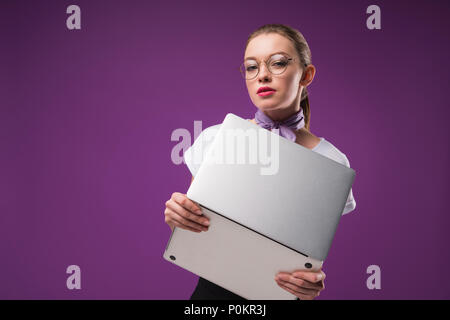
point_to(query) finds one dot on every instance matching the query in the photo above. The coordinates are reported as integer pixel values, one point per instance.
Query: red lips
(262, 89)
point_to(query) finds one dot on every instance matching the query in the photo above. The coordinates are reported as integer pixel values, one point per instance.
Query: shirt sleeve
(193, 156)
(350, 204)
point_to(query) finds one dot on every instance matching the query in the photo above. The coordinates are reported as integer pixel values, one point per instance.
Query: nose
(264, 73)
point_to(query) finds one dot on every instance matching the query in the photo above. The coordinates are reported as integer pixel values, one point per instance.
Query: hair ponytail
(304, 104)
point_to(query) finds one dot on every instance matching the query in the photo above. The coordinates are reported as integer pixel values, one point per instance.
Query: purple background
(87, 115)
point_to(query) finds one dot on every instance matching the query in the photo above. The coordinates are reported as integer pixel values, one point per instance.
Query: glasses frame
(242, 67)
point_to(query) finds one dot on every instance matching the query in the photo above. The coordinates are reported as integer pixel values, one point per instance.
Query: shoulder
(207, 135)
(193, 155)
(328, 149)
(321, 145)
(307, 139)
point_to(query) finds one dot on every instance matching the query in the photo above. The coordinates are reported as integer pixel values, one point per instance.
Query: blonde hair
(302, 49)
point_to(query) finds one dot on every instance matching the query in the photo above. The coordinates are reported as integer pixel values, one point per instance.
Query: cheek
(290, 85)
(249, 87)
(252, 88)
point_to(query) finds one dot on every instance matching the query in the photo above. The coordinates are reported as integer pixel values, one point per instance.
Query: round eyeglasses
(276, 64)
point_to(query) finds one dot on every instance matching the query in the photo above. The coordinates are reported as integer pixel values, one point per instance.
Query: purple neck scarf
(287, 126)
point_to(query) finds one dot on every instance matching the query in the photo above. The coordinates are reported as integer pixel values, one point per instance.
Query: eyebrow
(248, 58)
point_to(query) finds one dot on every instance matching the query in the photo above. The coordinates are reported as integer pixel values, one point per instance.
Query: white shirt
(324, 147)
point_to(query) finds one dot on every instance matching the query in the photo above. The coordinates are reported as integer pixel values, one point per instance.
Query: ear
(308, 75)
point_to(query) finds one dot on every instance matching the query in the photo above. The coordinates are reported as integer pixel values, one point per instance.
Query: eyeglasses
(276, 64)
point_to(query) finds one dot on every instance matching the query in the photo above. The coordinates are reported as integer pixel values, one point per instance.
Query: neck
(282, 114)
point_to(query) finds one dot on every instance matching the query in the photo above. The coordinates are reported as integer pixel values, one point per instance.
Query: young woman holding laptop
(277, 69)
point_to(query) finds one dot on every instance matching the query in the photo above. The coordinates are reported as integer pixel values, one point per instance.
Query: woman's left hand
(306, 285)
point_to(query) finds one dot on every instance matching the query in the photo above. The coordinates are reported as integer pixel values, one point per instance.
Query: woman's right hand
(184, 213)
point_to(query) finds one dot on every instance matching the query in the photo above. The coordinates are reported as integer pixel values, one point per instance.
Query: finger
(293, 287)
(187, 203)
(299, 295)
(176, 217)
(182, 226)
(311, 276)
(183, 221)
(187, 214)
(288, 277)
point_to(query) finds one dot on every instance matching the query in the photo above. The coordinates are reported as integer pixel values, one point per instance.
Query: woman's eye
(279, 63)
(251, 68)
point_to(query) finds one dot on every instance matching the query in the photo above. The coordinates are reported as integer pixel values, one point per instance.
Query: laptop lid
(273, 186)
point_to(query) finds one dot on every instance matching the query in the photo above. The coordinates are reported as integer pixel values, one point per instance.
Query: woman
(277, 69)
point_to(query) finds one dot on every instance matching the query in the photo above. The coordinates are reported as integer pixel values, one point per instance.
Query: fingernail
(206, 223)
(198, 211)
(319, 277)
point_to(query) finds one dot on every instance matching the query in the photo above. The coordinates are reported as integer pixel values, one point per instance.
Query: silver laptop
(236, 258)
(264, 189)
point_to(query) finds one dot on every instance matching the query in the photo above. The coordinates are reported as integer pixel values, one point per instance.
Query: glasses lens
(249, 69)
(278, 64)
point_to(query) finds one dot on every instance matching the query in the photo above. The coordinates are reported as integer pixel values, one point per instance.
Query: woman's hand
(306, 285)
(184, 213)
